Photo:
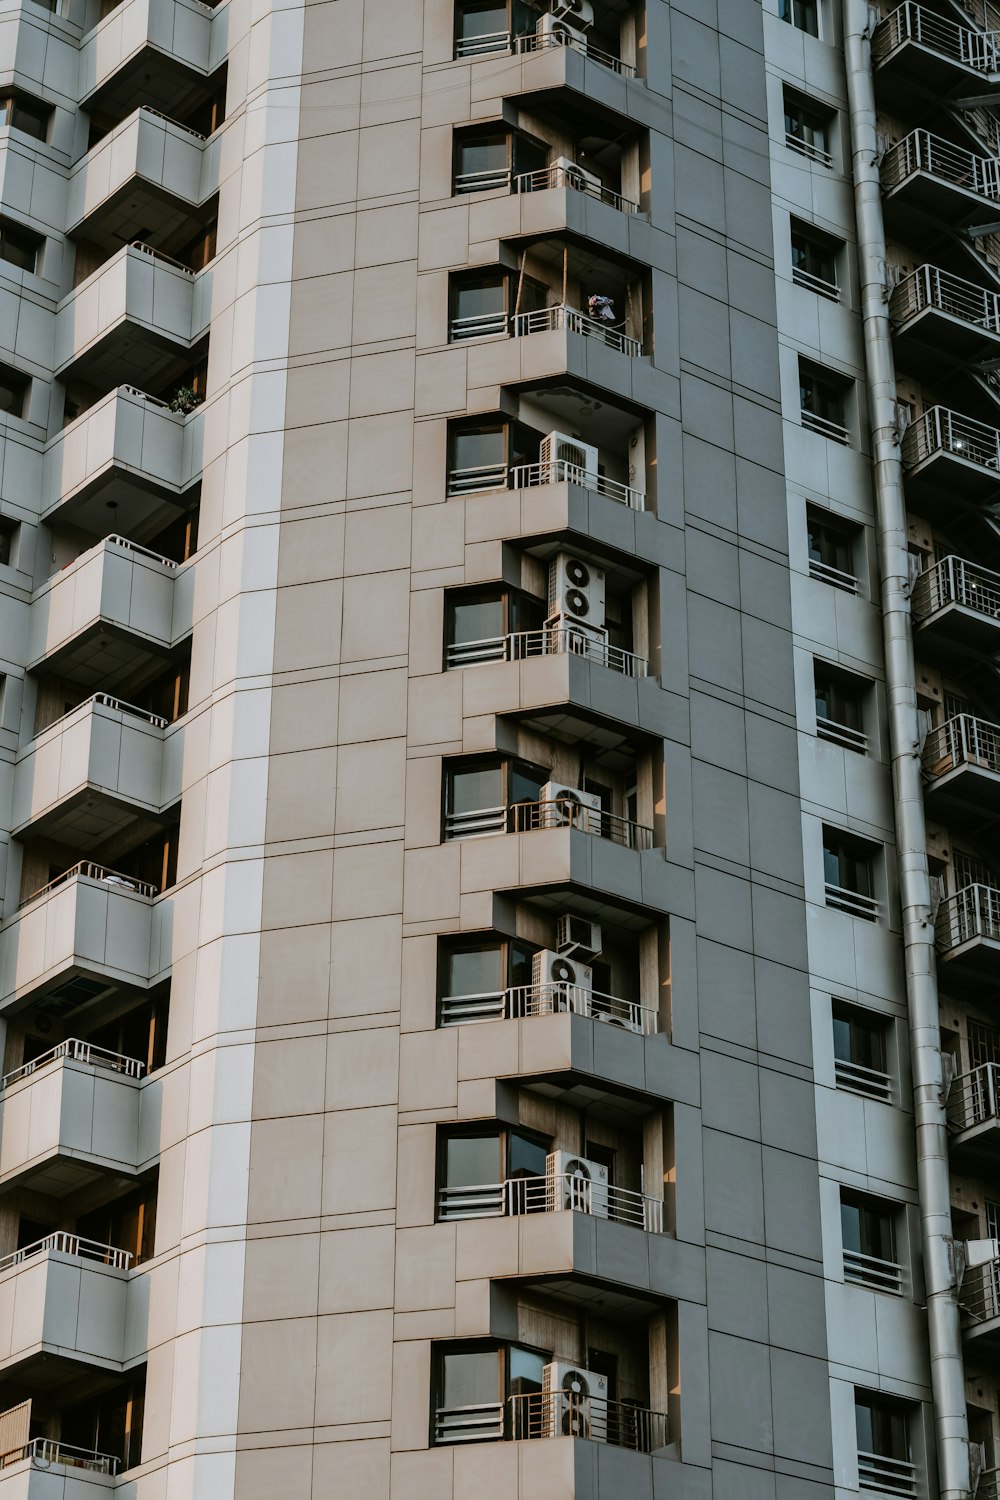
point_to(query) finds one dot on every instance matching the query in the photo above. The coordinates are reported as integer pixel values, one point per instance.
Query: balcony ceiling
(576, 409)
(103, 659)
(140, 211)
(617, 917)
(599, 1298)
(616, 1107)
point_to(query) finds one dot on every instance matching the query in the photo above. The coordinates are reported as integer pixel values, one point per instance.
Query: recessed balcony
(546, 39)
(562, 174)
(62, 1304)
(29, 1470)
(974, 1114)
(979, 1303)
(967, 931)
(926, 175)
(519, 1002)
(550, 813)
(105, 615)
(915, 46)
(551, 640)
(961, 762)
(560, 318)
(934, 312)
(483, 478)
(949, 457)
(545, 1414)
(91, 774)
(146, 49)
(956, 606)
(556, 1192)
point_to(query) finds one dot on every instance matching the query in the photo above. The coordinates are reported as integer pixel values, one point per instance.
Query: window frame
(791, 10)
(850, 893)
(830, 527)
(847, 695)
(825, 249)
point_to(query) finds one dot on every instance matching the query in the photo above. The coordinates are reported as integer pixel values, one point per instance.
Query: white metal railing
(491, 325)
(841, 734)
(483, 181)
(625, 1424)
(913, 23)
(985, 14)
(825, 426)
(887, 1476)
(70, 1244)
(986, 125)
(551, 1194)
(75, 1050)
(974, 1096)
(818, 284)
(551, 640)
(852, 902)
(955, 581)
(547, 319)
(485, 477)
(989, 1485)
(810, 149)
(979, 1294)
(187, 129)
(87, 870)
(533, 41)
(838, 579)
(972, 913)
(154, 254)
(45, 1451)
(962, 741)
(527, 817)
(525, 1000)
(118, 705)
(920, 151)
(873, 1272)
(482, 46)
(482, 1423)
(127, 546)
(873, 1083)
(940, 430)
(930, 287)
(557, 176)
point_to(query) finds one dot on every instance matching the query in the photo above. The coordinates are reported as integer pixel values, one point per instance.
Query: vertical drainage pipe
(933, 1178)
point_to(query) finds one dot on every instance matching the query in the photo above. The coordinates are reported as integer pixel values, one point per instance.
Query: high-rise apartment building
(499, 749)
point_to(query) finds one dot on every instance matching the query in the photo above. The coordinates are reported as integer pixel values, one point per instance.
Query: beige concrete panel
(314, 464)
(368, 881)
(376, 616)
(444, 232)
(281, 1277)
(317, 392)
(493, 689)
(386, 235)
(365, 960)
(545, 1042)
(278, 1375)
(301, 794)
(494, 517)
(294, 976)
(473, 1308)
(373, 706)
(377, 540)
(324, 245)
(392, 28)
(418, 994)
(411, 1377)
(379, 460)
(297, 889)
(483, 561)
(425, 1268)
(547, 1469)
(432, 297)
(356, 1269)
(486, 1247)
(442, 380)
(430, 447)
(289, 1078)
(546, 1242)
(359, 1162)
(312, 549)
(321, 312)
(263, 1473)
(362, 1068)
(438, 537)
(382, 383)
(487, 1471)
(432, 884)
(435, 718)
(416, 1173)
(545, 856)
(371, 786)
(327, 174)
(385, 302)
(423, 812)
(428, 1067)
(491, 864)
(360, 1470)
(427, 622)
(489, 1050)
(419, 1475)
(307, 625)
(304, 715)
(275, 1192)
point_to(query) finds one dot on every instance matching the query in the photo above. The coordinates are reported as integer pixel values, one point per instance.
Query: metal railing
(484, 181)
(962, 741)
(551, 640)
(837, 579)
(480, 326)
(187, 129)
(483, 1423)
(155, 254)
(825, 426)
(974, 1096)
(912, 23)
(47, 1451)
(70, 1244)
(852, 902)
(87, 870)
(533, 41)
(972, 913)
(979, 1293)
(528, 817)
(887, 1476)
(873, 1083)
(118, 705)
(127, 546)
(525, 1000)
(955, 581)
(818, 284)
(983, 12)
(75, 1050)
(930, 287)
(810, 149)
(548, 319)
(482, 46)
(986, 125)
(920, 151)
(988, 1487)
(940, 430)
(841, 734)
(557, 176)
(485, 477)
(873, 1272)
(545, 1414)
(551, 1194)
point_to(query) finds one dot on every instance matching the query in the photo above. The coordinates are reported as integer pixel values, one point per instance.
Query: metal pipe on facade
(933, 1177)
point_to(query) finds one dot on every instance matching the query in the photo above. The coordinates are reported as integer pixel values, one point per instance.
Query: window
(868, 1231)
(140, 1034)
(19, 247)
(478, 306)
(840, 707)
(23, 113)
(831, 550)
(482, 980)
(848, 871)
(129, 1223)
(478, 794)
(480, 625)
(8, 543)
(477, 1173)
(801, 13)
(478, 457)
(468, 1395)
(807, 129)
(822, 403)
(481, 26)
(814, 261)
(13, 391)
(109, 1423)
(883, 1445)
(482, 161)
(859, 1052)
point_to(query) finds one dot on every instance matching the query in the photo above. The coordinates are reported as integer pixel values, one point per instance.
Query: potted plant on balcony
(185, 399)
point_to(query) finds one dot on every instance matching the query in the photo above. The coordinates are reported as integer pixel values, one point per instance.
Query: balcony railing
(548, 319)
(543, 1414)
(920, 151)
(811, 149)
(887, 1476)
(45, 1451)
(852, 902)
(118, 705)
(825, 426)
(989, 1485)
(930, 287)
(89, 871)
(127, 546)
(488, 43)
(528, 817)
(979, 1294)
(955, 581)
(973, 912)
(835, 577)
(912, 23)
(550, 1194)
(557, 176)
(973, 1097)
(817, 284)
(942, 431)
(526, 1000)
(70, 1244)
(551, 640)
(873, 1083)
(486, 477)
(841, 734)
(76, 1051)
(532, 41)
(873, 1272)
(962, 741)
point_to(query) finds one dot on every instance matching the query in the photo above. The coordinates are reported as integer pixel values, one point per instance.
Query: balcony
(505, 43)
(161, 42)
(522, 1001)
(961, 761)
(91, 774)
(544, 320)
(80, 1473)
(967, 931)
(551, 640)
(926, 175)
(481, 480)
(101, 617)
(557, 175)
(916, 46)
(134, 321)
(128, 449)
(979, 1304)
(69, 1117)
(89, 922)
(973, 1114)
(62, 1304)
(887, 1476)
(543, 1414)
(528, 817)
(553, 1193)
(956, 605)
(949, 457)
(934, 312)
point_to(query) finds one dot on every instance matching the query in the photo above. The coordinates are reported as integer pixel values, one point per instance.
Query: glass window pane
(471, 790)
(474, 971)
(526, 782)
(850, 1226)
(525, 1370)
(471, 1160)
(864, 1423)
(832, 872)
(519, 956)
(475, 299)
(479, 448)
(484, 19)
(482, 153)
(842, 1048)
(470, 1378)
(526, 1158)
(478, 619)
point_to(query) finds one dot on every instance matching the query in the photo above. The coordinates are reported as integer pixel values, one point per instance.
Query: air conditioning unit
(580, 12)
(574, 1182)
(563, 33)
(562, 978)
(578, 176)
(575, 1402)
(630, 1021)
(567, 806)
(576, 590)
(557, 448)
(575, 935)
(573, 636)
